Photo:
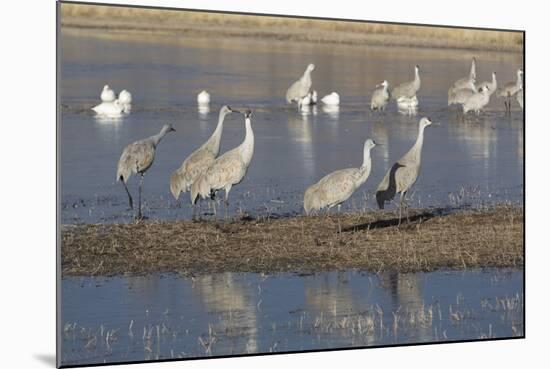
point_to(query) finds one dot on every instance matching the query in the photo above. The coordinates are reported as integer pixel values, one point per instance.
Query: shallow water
(166, 316)
(476, 161)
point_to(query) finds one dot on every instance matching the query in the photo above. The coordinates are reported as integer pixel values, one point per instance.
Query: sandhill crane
(137, 158)
(404, 173)
(336, 187)
(203, 98)
(301, 87)
(477, 101)
(380, 97)
(492, 85)
(460, 96)
(510, 89)
(467, 82)
(200, 160)
(107, 95)
(519, 98)
(112, 109)
(125, 99)
(331, 99)
(408, 89)
(227, 170)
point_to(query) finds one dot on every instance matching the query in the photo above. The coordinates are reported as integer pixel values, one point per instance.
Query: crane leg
(140, 216)
(401, 203)
(339, 225)
(130, 201)
(226, 201)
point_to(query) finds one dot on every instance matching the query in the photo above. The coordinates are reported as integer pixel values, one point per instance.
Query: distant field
(201, 24)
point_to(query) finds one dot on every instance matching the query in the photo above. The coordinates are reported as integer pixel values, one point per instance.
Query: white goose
(203, 98)
(109, 109)
(125, 99)
(331, 99)
(107, 95)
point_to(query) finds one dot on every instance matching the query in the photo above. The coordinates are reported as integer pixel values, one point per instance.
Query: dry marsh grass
(202, 24)
(469, 239)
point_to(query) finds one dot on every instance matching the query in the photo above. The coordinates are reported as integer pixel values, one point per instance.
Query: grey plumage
(380, 97)
(460, 96)
(510, 89)
(409, 89)
(492, 85)
(477, 101)
(467, 82)
(301, 87)
(336, 187)
(403, 174)
(519, 97)
(200, 160)
(227, 170)
(136, 158)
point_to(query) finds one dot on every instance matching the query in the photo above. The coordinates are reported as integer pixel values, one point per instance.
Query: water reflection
(333, 111)
(156, 317)
(235, 304)
(203, 111)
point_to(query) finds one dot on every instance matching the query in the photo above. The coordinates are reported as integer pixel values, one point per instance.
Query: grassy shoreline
(433, 240)
(153, 22)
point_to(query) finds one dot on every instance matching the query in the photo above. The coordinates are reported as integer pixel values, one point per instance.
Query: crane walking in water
(405, 93)
(380, 97)
(404, 173)
(227, 170)
(510, 89)
(300, 89)
(336, 187)
(136, 159)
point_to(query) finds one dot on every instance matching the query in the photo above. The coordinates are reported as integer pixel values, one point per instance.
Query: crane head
(424, 122)
(248, 113)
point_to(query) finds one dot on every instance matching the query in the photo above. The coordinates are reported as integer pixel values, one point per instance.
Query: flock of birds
(203, 173)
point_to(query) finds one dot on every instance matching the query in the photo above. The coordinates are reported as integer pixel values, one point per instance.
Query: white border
(27, 153)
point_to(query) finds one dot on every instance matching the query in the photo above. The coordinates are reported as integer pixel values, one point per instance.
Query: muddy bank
(468, 239)
(156, 22)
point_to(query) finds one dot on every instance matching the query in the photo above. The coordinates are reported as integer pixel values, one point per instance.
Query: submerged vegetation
(372, 241)
(203, 24)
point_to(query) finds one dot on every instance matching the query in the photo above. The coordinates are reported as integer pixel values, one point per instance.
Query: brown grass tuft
(469, 239)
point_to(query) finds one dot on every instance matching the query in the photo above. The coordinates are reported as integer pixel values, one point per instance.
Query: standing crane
(510, 89)
(380, 97)
(299, 89)
(200, 160)
(403, 174)
(136, 159)
(338, 186)
(227, 170)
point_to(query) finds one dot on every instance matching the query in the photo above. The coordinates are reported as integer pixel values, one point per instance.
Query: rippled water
(476, 161)
(166, 316)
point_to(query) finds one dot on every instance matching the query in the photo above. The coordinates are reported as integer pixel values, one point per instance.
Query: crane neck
(366, 158)
(159, 136)
(307, 75)
(213, 143)
(247, 147)
(518, 81)
(473, 70)
(417, 78)
(419, 142)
